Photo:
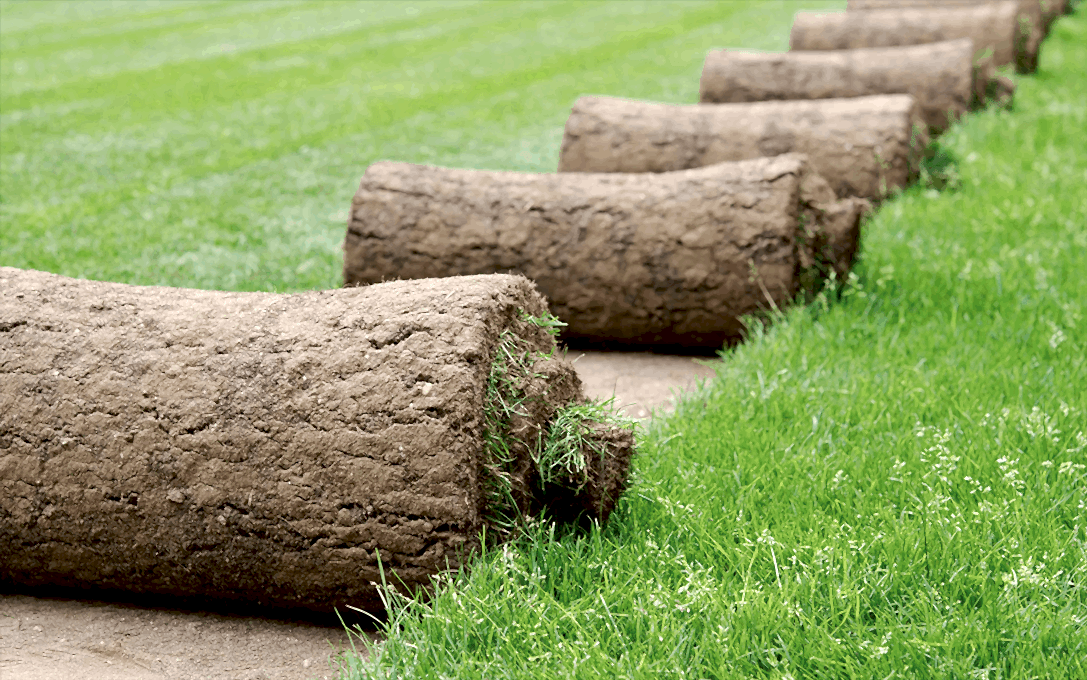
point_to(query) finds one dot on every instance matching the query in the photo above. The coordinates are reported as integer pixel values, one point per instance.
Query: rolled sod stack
(665, 259)
(1039, 13)
(864, 146)
(270, 448)
(992, 26)
(943, 77)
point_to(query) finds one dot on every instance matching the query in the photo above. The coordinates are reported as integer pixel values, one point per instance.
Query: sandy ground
(641, 383)
(45, 638)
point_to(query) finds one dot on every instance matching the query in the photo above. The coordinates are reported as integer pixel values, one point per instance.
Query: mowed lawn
(218, 144)
(890, 482)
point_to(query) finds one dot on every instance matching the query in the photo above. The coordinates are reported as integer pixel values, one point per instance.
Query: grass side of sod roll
(889, 483)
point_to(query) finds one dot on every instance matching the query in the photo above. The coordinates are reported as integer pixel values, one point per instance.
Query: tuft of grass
(560, 449)
(548, 322)
(511, 366)
(939, 169)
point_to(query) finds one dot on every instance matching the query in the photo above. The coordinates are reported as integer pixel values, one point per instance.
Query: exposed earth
(47, 638)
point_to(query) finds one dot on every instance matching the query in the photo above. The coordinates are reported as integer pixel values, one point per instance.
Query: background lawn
(218, 144)
(889, 482)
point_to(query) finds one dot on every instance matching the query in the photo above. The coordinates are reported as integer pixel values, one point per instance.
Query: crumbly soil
(46, 638)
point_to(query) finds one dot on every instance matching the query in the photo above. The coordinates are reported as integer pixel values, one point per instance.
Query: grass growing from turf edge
(892, 483)
(559, 453)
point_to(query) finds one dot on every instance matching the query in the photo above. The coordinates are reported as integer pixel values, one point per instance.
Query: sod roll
(270, 448)
(942, 77)
(665, 259)
(993, 26)
(865, 146)
(1038, 14)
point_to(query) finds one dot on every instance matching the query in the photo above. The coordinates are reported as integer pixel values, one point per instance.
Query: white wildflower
(1068, 468)
(839, 477)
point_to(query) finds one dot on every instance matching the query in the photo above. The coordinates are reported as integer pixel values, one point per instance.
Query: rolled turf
(665, 259)
(943, 77)
(993, 26)
(273, 448)
(864, 146)
(1040, 13)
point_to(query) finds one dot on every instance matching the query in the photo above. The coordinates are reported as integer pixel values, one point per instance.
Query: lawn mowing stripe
(40, 18)
(384, 73)
(334, 92)
(177, 85)
(106, 34)
(517, 75)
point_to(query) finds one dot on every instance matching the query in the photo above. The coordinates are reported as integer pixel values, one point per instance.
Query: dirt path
(48, 639)
(53, 639)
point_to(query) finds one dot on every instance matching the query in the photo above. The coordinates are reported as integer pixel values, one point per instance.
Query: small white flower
(839, 477)
(1068, 467)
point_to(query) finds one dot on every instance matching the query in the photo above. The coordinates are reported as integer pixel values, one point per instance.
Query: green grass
(889, 482)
